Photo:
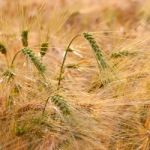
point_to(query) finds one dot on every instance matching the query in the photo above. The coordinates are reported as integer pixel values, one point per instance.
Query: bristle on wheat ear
(35, 60)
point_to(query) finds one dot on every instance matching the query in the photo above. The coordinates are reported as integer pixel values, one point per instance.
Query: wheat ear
(35, 60)
(97, 51)
(24, 38)
(3, 50)
(105, 69)
(60, 102)
(44, 49)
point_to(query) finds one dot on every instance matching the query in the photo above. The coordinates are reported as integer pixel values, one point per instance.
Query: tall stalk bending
(64, 59)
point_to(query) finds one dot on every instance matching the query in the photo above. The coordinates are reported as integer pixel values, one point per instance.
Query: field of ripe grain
(74, 75)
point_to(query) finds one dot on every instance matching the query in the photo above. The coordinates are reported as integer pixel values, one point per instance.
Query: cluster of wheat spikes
(30, 54)
(56, 99)
(59, 101)
(104, 67)
(102, 63)
(101, 60)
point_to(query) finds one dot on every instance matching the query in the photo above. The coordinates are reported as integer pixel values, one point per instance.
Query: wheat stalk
(64, 59)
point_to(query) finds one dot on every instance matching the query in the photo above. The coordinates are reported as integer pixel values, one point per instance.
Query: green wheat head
(106, 72)
(9, 74)
(3, 49)
(35, 60)
(98, 52)
(61, 104)
(24, 38)
(122, 54)
(44, 48)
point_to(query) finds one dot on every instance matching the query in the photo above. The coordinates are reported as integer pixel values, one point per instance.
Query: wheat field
(74, 75)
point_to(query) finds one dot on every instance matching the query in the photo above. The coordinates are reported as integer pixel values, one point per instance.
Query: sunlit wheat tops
(97, 51)
(44, 48)
(3, 49)
(24, 38)
(35, 60)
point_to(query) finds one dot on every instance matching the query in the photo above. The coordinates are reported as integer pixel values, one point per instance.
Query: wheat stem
(46, 102)
(7, 62)
(14, 58)
(64, 59)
